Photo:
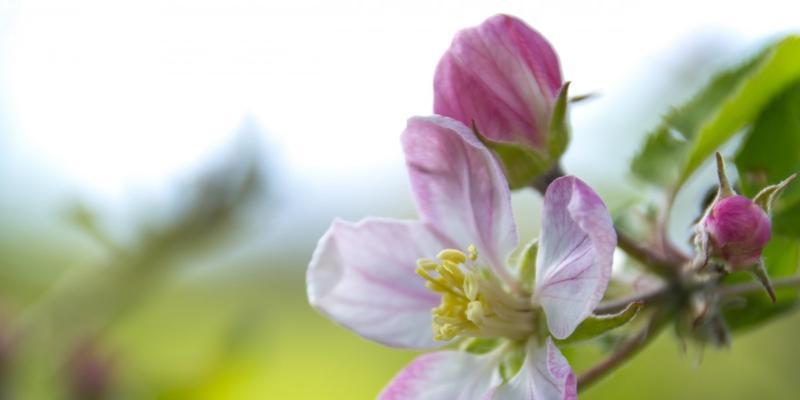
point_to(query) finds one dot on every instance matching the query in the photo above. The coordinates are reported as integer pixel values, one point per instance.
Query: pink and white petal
(504, 76)
(362, 276)
(576, 249)
(451, 375)
(545, 375)
(460, 189)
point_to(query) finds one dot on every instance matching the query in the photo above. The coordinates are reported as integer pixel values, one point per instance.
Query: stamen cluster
(474, 303)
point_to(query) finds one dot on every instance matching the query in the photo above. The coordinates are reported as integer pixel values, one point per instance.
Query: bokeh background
(166, 168)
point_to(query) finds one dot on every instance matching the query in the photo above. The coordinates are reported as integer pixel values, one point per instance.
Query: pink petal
(460, 189)
(575, 254)
(545, 375)
(451, 375)
(362, 276)
(503, 75)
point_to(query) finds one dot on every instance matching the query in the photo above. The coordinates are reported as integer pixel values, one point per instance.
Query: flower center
(474, 303)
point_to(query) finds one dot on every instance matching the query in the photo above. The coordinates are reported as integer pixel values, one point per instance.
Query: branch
(625, 351)
(648, 258)
(745, 288)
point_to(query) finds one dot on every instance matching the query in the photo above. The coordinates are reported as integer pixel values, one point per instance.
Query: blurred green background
(167, 167)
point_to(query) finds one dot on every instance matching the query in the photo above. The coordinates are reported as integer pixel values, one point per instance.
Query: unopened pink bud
(503, 77)
(738, 230)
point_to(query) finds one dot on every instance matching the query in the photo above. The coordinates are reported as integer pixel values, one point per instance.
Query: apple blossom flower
(444, 279)
(504, 78)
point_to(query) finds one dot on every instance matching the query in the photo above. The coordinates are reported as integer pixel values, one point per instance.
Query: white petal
(460, 189)
(445, 375)
(576, 249)
(362, 276)
(545, 375)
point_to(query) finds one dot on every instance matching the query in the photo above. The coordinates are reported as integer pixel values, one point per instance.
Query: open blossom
(444, 279)
(504, 77)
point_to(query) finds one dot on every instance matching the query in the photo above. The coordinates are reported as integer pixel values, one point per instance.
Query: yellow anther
(427, 264)
(450, 273)
(473, 303)
(446, 332)
(472, 252)
(454, 256)
(435, 284)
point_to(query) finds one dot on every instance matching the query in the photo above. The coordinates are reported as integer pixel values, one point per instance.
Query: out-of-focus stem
(648, 258)
(745, 288)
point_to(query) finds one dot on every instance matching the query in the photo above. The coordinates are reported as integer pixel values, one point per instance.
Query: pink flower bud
(738, 230)
(502, 76)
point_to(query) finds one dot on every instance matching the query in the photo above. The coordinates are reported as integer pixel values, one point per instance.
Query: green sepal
(559, 130)
(596, 325)
(767, 196)
(479, 345)
(512, 362)
(526, 265)
(522, 163)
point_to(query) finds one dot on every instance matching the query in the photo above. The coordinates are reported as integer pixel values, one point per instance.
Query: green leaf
(657, 161)
(781, 256)
(731, 101)
(597, 325)
(770, 153)
(758, 309)
(666, 148)
(779, 67)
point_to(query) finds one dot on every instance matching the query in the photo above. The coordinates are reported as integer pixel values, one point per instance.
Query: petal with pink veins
(362, 276)
(504, 76)
(576, 249)
(545, 375)
(451, 375)
(460, 189)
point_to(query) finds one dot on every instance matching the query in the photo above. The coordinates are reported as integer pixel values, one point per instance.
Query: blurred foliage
(782, 258)
(762, 95)
(731, 101)
(770, 153)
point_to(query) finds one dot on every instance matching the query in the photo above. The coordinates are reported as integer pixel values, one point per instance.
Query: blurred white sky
(121, 96)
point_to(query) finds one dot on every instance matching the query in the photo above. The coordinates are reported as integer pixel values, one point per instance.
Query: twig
(648, 258)
(625, 351)
(631, 347)
(745, 288)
